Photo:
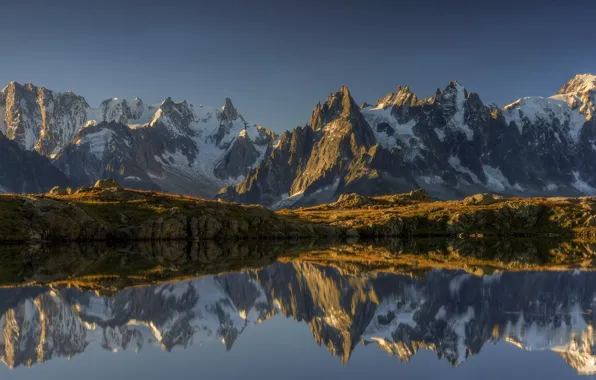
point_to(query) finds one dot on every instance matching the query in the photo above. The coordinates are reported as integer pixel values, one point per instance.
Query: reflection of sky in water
(451, 311)
(284, 349)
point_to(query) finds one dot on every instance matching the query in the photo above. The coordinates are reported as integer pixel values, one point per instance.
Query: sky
(277, 59)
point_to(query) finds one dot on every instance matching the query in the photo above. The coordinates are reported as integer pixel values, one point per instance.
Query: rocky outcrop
(359, 201)
(106, 184)
(482, 199)
(59, 190)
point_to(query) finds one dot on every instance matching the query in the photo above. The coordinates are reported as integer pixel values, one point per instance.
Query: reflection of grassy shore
(111, 267)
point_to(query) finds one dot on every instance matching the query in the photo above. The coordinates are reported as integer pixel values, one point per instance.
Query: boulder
(418, 195)
(589, 205)
(351, 200)
(483, 199)
(107, 183)
(59, 190)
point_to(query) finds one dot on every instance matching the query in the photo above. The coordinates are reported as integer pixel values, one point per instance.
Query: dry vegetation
(481, 215)
(128, 215)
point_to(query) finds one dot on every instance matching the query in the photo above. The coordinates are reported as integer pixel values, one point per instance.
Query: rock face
(334, 154)
(39, 119)
(173, 146)
(24, 171)
(451, 144)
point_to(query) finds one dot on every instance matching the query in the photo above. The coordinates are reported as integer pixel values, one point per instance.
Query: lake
(299, 318)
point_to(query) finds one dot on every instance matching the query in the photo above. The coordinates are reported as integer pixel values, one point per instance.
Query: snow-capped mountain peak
(579, 84)
(532, 110)
(173, 145)
(580, 94)
(451, 143)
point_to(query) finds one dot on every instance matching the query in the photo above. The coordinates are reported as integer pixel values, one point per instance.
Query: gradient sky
(277, 59)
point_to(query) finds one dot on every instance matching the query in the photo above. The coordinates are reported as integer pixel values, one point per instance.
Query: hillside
(109, 212)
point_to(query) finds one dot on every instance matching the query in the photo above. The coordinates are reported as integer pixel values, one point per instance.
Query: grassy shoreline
(115, 214)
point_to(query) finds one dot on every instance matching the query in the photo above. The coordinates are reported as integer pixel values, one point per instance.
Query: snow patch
(403, 132)
(537, 109)
(456, 283)
(458, 121)
(441, 313)
(495, 178)
(434, 180)
(456, 164)
(459, 327)
(98, 142)
(551, 187)
(582, 186)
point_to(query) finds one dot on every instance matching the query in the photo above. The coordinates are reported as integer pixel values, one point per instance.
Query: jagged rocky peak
(403, 96)
(175, 115)
(580, 94)
(263, 135)
(339, 104)
(454, 91)
(122, 110)
(229, 112)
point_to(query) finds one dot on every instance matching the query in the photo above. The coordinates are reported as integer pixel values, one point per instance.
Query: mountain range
(452, 313)
(452, 144)
(172, 146)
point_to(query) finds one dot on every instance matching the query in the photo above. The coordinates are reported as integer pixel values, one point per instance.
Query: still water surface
(298, 320)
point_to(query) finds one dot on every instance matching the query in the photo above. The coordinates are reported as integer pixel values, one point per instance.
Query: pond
(297, 317)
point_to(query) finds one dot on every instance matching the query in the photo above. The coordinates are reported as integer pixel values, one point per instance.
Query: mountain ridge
(173, 146)
(451, 144)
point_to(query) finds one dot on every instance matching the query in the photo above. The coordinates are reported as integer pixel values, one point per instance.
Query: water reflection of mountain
(450, 312)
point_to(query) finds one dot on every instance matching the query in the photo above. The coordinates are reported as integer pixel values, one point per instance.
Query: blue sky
(277, 59)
